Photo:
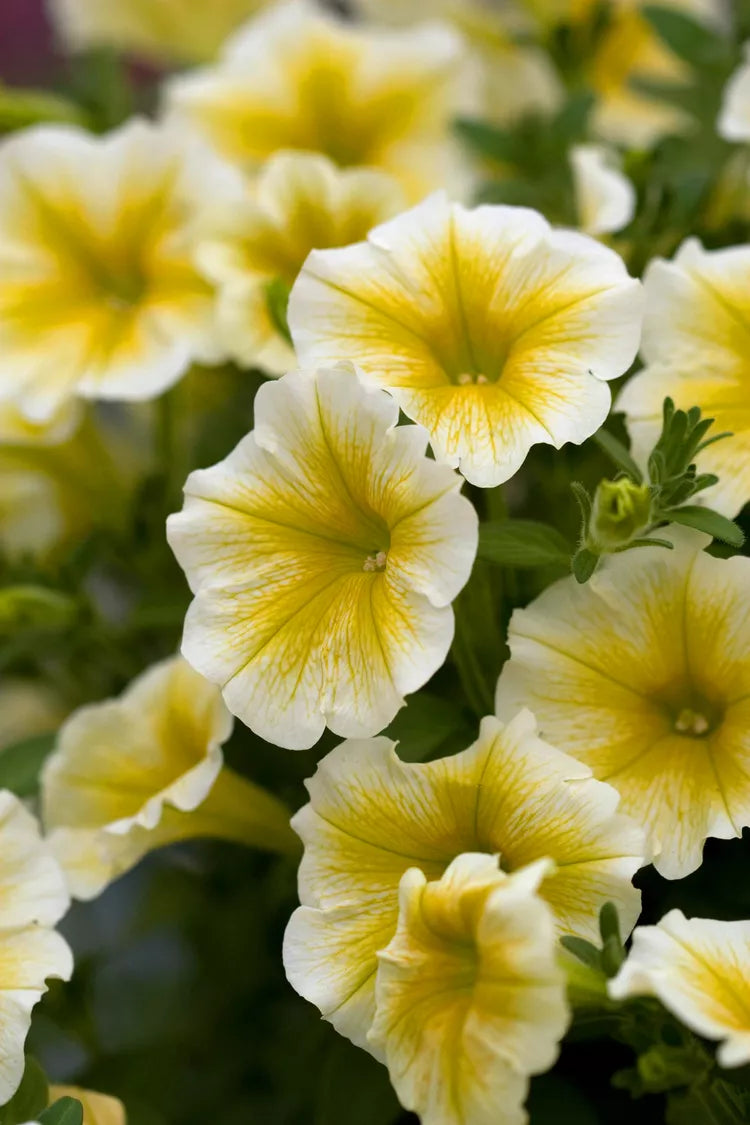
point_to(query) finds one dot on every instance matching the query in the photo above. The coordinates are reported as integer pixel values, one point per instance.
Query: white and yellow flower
(630, 51)
(644, 675)
(324, 553)
(33, 899)
(296, 78)
(512, 78)
(372, 816)
(696, 349)
(470, 996)
(700, 970)
(135, 773)
(605, 197)
(99, 295)
(489, 328)
(163, 30)
(98, 1109)
(734, 119)
(254, 250)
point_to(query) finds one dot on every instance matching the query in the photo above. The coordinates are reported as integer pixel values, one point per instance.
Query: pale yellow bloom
(164, 30)
(489, 328)
(57, 478)
(372, 816)
(644, 674)
(734, 119)
(696, 349)
(324, 553)
(300, 202)
(629, 51)
(297, 78)
(700, 970)
(98, 1109)
(27, 708)
(135, 773)
(605, 197)
(512, 78)
(99, 296)
(32, 900)
(470, 999)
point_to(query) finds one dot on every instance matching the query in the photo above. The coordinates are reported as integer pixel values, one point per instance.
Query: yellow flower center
(376, 561)
(691, 722)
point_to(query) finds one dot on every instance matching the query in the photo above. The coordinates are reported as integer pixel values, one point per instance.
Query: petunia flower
(99, 296)
(734, 119)
(135, 773)
(605, 197)
(643, 674)
(696, 344)
(34, 899)
(513, 77)
(470, 997)
(490, 329)
(630, 51)
(98, 1109)
(698, 969)
(372, 816)
(324, 553)
(297, 78)
(162, 30)
(254, 250)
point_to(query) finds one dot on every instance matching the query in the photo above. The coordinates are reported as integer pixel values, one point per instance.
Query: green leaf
(619, 454)
(277, 301)
(690, 40)
(424, 725)
(479, 649)
(646, 541)
(489, 141)
(587, 953)
(609, 922)
(706, 519)
(35, 607)
(353, 1087)
(21, 108)
(583, 564)
(522, 543)
(30, 1098)
(66, 1111)
(21, 764)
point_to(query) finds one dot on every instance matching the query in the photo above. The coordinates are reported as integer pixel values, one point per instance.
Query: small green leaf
(488, 140)
(66, 1111)
(646, 541)
(583, 564)
(587, 953)
(21, 764)
(522, 543)
(687, 37)
(609, 922)
(706, 519)
(277, 301)
(30, 1098)
(619, 454)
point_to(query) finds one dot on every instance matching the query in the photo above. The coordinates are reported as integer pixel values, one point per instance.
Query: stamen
(691, 722)
(376, 562)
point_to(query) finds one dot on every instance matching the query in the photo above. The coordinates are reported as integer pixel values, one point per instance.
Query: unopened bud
(621, 509)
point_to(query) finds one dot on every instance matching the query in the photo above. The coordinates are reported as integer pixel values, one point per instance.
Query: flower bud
(621, 509)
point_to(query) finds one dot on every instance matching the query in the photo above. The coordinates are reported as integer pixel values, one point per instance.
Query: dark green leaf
(66, 1111)
(687, 37)
(648, 541)
(21, 763)
(609, 922)
(488, 140)
(479, 648)
(30, 1098)
(522, 543)
(424, 725)
(583, 564)
(706, 519)
(353, 1087)
(619, 454)
(587, 953)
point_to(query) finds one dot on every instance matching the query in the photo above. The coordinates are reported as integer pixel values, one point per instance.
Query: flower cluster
(359, 284)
